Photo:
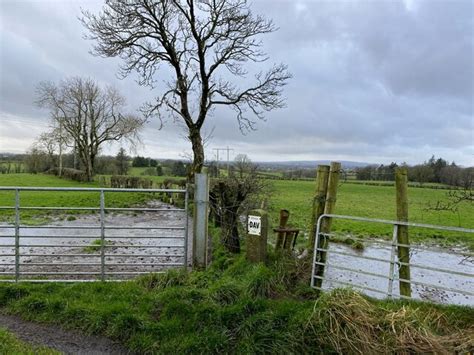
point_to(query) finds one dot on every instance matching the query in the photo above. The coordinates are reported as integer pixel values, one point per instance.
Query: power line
(228, 157)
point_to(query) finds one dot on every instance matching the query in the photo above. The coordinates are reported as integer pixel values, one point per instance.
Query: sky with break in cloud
(373, 81)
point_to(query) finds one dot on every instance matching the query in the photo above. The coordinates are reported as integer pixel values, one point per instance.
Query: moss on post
(401, 184)
(329, 207)
(319, 200)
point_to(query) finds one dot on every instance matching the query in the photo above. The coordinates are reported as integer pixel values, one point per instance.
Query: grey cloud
(373, 80)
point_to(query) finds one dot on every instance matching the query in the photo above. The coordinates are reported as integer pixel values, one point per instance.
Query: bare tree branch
(89, 115)
(205, 44)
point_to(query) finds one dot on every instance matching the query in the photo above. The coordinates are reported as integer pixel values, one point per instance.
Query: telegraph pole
(228, 158)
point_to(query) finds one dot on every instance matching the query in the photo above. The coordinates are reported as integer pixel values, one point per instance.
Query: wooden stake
(329, 207)
(284, 215)
(401, 185)
(319, 200)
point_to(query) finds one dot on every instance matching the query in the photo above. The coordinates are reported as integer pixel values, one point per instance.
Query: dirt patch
(68, 342)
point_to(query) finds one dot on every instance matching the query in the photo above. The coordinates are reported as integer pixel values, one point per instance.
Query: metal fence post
(186, 221)
(393, 250)
(17, 235)
(102, 235)
(315, 251)
(201, 212)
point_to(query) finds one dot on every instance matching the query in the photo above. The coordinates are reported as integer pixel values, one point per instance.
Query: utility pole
(228, 158)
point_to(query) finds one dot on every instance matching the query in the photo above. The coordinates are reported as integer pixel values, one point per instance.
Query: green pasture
(296, 196)
(143, 172)
(373, 202)
(57, 198)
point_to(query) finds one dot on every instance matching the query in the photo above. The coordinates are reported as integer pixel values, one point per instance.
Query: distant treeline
(432, 171)
(435, 171)
(41, 161)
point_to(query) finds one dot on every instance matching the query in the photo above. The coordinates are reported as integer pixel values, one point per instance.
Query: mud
(128, 252)
(65, 341)
(432, 257)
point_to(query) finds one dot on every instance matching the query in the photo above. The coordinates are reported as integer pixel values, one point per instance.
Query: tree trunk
(230, 232)
(198, 151)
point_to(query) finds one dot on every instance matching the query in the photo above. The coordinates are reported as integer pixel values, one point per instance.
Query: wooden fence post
(333, 183)
(319, 200)
(257, 234)
(284, 215)
(401, 185)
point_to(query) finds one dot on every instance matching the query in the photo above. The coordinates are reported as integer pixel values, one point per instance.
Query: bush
(68, 173)
(130, 182)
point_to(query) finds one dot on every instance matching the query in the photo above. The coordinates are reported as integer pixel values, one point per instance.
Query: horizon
(395, 86)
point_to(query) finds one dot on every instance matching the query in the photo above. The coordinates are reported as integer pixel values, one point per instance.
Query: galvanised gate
(99, 243)
(443, 275)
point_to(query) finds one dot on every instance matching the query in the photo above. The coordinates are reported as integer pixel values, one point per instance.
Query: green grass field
(56, 198)
(373, 202)
(296, 196)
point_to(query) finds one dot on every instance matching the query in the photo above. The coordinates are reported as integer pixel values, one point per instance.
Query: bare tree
(49, 143)
(457, 197)
(205, 44)
(89, 115)
(243, 165)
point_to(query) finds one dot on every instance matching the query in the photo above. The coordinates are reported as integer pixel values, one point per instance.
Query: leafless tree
(49, 143)
(205, 44)
(243, 165)
(456, 197)
(88, 115)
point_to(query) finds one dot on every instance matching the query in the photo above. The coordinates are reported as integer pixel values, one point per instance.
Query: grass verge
(237, 307)
(9, 344)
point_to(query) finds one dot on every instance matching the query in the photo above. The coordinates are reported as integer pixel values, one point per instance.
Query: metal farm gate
(101, 243)
(442, 275)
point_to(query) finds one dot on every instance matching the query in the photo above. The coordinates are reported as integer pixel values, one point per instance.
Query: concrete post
(257, 234)
(200, 223)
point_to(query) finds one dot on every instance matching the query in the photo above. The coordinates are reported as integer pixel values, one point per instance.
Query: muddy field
(128, 252)
(451, 260)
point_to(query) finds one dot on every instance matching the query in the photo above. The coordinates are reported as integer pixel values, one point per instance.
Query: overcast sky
(373, 81)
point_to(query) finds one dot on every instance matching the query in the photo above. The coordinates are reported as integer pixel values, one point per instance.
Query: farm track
(65, 341)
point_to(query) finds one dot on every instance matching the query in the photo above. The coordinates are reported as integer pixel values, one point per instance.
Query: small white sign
(254, 225)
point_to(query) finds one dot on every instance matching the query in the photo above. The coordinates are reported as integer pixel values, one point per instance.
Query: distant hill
(306, 164)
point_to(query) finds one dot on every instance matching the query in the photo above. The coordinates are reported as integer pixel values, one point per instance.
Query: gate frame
(393, 260)
(102, 227)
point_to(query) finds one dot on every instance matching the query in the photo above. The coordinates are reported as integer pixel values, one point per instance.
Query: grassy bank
(236, 307)
(374, 202)
(9, 344)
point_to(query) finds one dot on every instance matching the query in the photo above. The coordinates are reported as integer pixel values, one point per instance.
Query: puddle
(159, 249)
(434, 257)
